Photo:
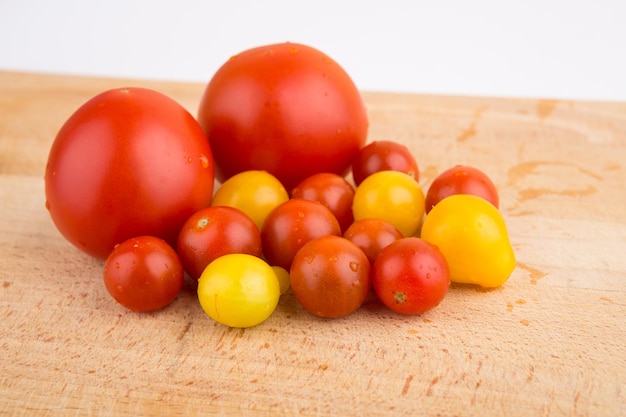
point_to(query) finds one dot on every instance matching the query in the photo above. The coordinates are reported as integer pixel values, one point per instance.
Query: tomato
(128, 162)
(285, 108)
(461, 179)
(284, 280)
(143, 273)
(292, 224)
(238, 290)
(372, 235)
(391, 196)
(410, 276)
(330, 276)
(383, 155)
(215, 231)
(256, 193)
(333, 191)
(472, 235)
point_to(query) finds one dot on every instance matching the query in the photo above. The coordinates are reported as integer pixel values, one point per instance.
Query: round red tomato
(129, 162)
(143, 273)
(292, 224)
(286, 108)
(410, 276)
(372, 235)
(383, 155)
(215, 231)
(330, 276)
(333, 191)
(461, 179)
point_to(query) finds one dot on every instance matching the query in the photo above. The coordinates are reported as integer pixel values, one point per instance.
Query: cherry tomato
(128, 162)
(372, 235)
(143, 273)
(292, 224)
(330, 276)
(238, 290)
(333, 191)
(215, 231)
(383, 155)
(284, 280)
(286, 108)
(472, 235)
(461, 179)
(391, 196)
(256, 193)
(410, 276)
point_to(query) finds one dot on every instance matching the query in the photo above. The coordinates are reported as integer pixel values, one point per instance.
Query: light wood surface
(550, 342)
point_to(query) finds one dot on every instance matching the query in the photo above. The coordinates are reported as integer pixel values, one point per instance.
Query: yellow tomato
(238, 290)
(283, 278)
(391, 196)
(256, 193)
(472, 235)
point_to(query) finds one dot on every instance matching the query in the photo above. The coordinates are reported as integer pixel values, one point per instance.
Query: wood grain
(550, 342)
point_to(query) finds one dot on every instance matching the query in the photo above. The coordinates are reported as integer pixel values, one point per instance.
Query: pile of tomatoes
(303, 203)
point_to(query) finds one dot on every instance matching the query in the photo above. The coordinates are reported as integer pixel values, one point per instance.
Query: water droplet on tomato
(354, 266)
(204, 161)
(310, 259)
(293, 50)
(47, 205)
(117, 265)
(189, 159)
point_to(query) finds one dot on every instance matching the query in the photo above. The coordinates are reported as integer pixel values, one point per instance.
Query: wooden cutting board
(550, 342)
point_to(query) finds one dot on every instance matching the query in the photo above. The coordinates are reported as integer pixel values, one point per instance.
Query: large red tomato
(129, 162)
(287, 109)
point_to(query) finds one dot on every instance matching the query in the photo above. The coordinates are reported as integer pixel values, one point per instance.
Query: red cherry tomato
(143, 273)
(129, 162)
(285, 108)
(292, 224)
(333, 191)
(461, 179)
(330, 276)
(213, 232)
(372, 235)
(383, 155)
(410, 276)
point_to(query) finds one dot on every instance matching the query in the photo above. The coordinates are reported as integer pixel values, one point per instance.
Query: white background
(526, 48)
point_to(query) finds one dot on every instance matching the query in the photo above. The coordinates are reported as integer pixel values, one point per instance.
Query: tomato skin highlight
(285, 108)
(330, 276)
(128, 162)
(143, 274)
(410, 276)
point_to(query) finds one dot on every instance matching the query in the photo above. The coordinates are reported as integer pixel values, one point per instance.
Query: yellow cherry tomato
(284, 280)
(256, 193)
(238, 290)
(392, 196)
(472, 235)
